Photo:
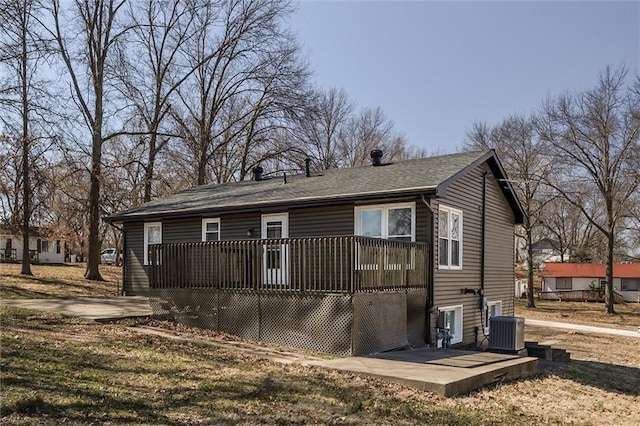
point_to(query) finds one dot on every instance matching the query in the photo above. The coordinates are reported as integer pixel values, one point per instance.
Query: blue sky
(436, 67)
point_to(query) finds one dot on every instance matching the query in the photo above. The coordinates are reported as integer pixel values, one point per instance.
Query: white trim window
(494, 309)
(211, 229)
(451, 318)
(152, 235)
(390, 221)
(449, 238)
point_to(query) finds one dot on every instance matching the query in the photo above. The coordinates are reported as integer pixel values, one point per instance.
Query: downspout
(481, 303)
(483, 231)
(430, 279)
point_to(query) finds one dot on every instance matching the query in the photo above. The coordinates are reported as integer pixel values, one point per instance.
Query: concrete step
(561, 355)
(546, 352)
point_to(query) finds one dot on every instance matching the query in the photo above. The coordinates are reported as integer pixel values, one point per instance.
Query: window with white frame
(494, 308)
(391, 221)
(564, 283)
(152, 235)
(210, 229)
(449, 238)
(450, 317)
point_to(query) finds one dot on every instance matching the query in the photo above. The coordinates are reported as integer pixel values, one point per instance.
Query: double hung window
(152, 235)
(449, 238)
(630, 284)
(210, 229)
(563, 283)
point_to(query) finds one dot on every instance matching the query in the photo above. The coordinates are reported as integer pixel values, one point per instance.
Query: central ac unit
(506, 333)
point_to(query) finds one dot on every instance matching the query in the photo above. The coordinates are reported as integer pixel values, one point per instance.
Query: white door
(275, 256)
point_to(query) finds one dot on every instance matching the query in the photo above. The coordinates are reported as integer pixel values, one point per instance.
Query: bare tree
(321, 128)
(23, 51)
(368, 130)
(526, 163)
(85, 49)
(594, 135)
(234, 46)
(151, 71)
(563, 224)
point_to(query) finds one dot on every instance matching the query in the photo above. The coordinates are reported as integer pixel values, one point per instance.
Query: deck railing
(597, 295)
(345, 264)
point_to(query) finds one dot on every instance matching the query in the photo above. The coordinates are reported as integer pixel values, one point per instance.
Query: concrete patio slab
(424, 369)
(88, 308)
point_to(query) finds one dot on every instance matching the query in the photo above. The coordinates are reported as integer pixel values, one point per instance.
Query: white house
(583, 276)
(42, 250)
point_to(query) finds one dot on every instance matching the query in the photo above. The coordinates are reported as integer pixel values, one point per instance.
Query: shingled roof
(590, 270)
(431, 175)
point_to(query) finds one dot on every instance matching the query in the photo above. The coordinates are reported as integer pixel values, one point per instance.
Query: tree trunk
(93, 258)
(608, 292)
(530, 300)
(148, 171)
(26, 190)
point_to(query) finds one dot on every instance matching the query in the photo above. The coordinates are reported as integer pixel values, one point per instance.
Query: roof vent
(257, 173)
(376, 157)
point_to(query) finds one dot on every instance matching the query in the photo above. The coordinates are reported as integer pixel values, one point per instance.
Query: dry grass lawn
(60, 370)
(57, 281)
(627, 315)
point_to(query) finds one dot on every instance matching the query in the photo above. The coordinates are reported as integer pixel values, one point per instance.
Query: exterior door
(275, 254)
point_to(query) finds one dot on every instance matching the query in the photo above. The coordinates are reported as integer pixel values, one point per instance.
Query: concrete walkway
(88, 308)
(584, 328)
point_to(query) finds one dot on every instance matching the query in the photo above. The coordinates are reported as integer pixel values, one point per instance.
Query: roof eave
(260, 206)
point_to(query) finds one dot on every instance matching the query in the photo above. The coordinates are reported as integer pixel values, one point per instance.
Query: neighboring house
(42, 250)
(347, 261)
(521, 284)
(585, 276)
(548, 251)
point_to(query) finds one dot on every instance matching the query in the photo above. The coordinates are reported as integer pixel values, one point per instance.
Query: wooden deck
(579, 295)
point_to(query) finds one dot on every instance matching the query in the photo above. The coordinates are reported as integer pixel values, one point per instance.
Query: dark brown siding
(181, 231)
(466, 195)
(235, 226)
(303, 222)
(324, 221)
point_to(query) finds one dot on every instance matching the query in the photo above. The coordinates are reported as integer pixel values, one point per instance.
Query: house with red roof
(584, 276)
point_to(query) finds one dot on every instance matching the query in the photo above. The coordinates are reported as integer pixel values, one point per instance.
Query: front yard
(58, 370)
(627, 315)
(57, 281)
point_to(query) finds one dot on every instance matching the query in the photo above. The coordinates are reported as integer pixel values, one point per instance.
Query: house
(559, 277)
(42, 249)
(348, 261)
(546, 250)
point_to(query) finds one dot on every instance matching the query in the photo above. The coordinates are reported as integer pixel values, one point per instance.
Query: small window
(44, 247)
(58, 248)
(450, 317)
(630, 284)
(152, 235)
(210, 229)
(494, 308)
(449, 238)
(564, 283)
